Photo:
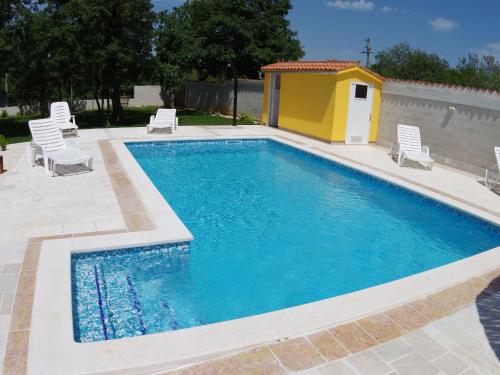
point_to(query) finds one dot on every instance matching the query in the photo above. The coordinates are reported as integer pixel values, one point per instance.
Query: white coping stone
(52, 312)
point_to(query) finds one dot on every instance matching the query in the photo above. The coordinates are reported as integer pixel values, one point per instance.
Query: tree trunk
(96, 98)
(172, 99)
(117, 115)
(44, 103)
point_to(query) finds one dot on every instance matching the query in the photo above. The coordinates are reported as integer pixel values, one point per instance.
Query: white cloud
(352, 5)
(388, 9)
(443, 25)
(489, 49)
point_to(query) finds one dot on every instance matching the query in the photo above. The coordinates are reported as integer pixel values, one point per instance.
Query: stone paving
(424, 340)
(411, 344)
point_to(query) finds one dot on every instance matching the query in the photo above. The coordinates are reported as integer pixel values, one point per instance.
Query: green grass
(15, 128)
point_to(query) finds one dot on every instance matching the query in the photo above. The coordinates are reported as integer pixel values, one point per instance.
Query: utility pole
(367, 51)
(231, 64)
(6, 91)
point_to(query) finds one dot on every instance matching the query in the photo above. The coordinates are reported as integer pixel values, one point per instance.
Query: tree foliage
(106, 42)
(202, 36)
(404, 62)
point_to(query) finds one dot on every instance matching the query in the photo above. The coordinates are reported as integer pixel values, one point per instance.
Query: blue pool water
(273, 227)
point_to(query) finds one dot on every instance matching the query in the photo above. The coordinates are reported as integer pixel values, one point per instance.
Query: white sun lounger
(49, 142)
(164, 119)
(493, 174)
(59, 112)
(410, 147)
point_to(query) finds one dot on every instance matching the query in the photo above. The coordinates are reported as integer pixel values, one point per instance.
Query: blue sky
(336, 29)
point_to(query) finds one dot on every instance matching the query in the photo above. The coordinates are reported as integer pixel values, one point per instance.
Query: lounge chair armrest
(394, 149)
(491, 176)
(151, 119)
(426, 149)
(494, 170)
(73, 120)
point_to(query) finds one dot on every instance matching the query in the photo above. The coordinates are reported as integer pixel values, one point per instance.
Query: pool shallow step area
(301, 348)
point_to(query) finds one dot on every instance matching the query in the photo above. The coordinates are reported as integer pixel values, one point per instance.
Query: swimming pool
(274, 227)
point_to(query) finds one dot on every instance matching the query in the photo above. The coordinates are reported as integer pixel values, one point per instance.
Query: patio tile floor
(440, 333)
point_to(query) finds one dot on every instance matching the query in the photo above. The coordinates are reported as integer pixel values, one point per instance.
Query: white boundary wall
(463, 138)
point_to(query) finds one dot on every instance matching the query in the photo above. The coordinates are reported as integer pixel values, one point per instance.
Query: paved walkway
(35, 205)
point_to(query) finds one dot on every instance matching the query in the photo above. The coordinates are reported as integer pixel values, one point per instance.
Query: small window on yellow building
(361, 92)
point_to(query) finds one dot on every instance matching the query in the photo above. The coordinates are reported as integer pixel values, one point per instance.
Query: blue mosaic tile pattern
(112, 288)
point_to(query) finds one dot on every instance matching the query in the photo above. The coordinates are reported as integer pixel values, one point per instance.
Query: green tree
(203, 35)
(114, 42)
(405, 62)
(480, 72)
(107, 42)
(171, 79)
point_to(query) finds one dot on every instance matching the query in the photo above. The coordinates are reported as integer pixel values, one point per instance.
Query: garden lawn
(15, 128)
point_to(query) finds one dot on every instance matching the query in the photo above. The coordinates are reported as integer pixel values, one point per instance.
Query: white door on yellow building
(274, 99)
(359, 113)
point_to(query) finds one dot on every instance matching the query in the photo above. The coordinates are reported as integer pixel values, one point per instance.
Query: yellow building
(334, 101)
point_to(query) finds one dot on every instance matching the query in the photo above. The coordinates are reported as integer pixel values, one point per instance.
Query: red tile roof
(325, 66)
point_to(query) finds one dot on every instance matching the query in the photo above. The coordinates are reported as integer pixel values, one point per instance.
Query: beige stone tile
(425, 345)
(393, 350)
(138, 222)
(489, 276)
(16, 354)
(133, 205)
(368, 363)
(256, 361)
(121, 181)
(414, 364)
(456, 297)
(407, 318)
(124, 193)
(430, 310)
(31, 256)
(296, 354)
(11, 268)
(327, 345)
(381, 327)
(353, 337)
(21, 314)
(337, 368)
(450, 364)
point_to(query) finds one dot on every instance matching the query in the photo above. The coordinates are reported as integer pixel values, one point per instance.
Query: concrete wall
(143, 96)
(218, 97)
(146, 95)
(462, 139)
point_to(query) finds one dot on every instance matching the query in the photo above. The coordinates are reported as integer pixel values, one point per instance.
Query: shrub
(3, 143)
(245, 116)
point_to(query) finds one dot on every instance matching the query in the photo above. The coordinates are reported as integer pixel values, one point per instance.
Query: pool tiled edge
(136, 219)
(334, 343)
